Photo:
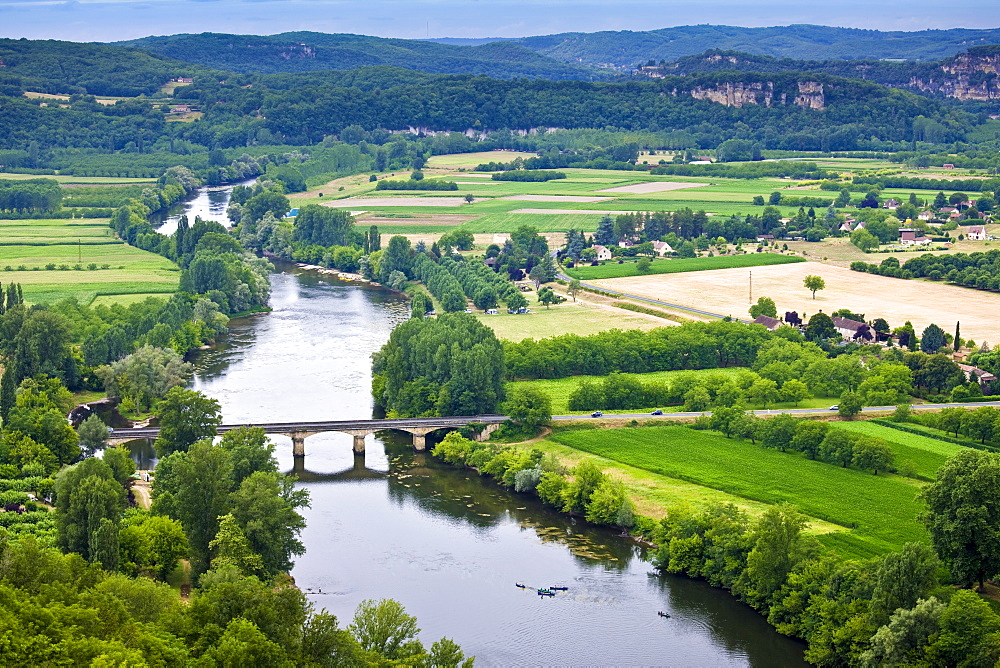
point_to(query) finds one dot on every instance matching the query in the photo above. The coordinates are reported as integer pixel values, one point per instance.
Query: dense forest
(627, 48)
(310, 51)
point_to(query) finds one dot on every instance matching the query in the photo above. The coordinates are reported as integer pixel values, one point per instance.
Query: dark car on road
(596, 414)
(657, 412)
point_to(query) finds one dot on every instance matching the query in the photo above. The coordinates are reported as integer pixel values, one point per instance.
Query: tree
(642, 265)
(864, 240)
(820, 327)
(265, 507)
(573, 288)
(904, 640)
(469, 197)
(384, 628)
(186, 416)
(814, 284)
(396, 257)
(249, 450)
(547, 296)
(230, 547)
(776, 549)
(586, 478)
(528, 406)
(93, 434)
(932, 339)
(86, 494)
(837, 447)
(605, 234)
(609, 504)
(872, 454)
(969, 633)
(809, 437)
(764, 306)
(963, 515)
(902, 579)
(850, 405)
(777, 432)
(194, 487)
(794, 390)
(145, 376)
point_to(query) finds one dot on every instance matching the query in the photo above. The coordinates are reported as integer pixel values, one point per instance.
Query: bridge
(299, 431)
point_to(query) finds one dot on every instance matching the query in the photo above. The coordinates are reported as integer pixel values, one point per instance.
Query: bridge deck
(331, 425)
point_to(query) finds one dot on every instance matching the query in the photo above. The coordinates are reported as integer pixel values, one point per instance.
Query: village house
(947, 210)
(977, 233)
(625, 243)
(861, 225)
(891, 204)
(908, 237)
(662, 248)
(983, 377)
(765, 237)
(603, 253)
(845, 226)
(925, 215)
(851, 329)
(769, 322)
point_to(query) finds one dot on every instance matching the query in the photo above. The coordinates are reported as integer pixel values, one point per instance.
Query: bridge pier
(359, 439)
(299, 442)
(420, 437)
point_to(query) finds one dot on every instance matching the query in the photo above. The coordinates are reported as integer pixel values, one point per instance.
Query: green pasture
(881, 511)
(565, 318)
(924, 453)
(677, 265)
(49, 232)
(27, 247)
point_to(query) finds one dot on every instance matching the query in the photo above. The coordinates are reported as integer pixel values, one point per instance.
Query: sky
(111, 20)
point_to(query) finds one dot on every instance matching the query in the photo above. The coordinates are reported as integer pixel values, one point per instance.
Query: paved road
(459, 421)
(790, 411)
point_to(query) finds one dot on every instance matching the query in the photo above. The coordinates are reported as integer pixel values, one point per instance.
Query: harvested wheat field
(726, 291)
(652, 187)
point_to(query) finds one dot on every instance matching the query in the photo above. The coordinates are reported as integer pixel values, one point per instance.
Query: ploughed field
(879, 512)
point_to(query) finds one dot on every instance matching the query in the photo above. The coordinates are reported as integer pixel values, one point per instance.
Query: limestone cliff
(810, 94)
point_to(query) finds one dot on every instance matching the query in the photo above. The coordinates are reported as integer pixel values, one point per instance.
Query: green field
(559, 389)
(565, 318)
(881, 511)
(926, 454)
(673, 266)
(28, 247)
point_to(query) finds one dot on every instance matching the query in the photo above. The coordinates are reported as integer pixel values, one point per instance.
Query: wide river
(444, 542)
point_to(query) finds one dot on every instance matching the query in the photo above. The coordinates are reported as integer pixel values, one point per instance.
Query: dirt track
(921, 302)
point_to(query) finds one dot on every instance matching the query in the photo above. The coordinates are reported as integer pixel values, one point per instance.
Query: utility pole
(751, 287)
(79, 251)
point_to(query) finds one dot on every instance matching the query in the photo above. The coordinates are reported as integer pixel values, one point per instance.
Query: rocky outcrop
(810, 95)
(967, 76)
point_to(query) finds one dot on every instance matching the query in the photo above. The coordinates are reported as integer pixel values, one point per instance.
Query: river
(446, 543)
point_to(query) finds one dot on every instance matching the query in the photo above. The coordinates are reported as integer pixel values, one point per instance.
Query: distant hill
(972, 75)
(313, 51)
(627, 49)
(51, 66)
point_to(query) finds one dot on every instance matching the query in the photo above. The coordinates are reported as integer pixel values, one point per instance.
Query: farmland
(577, 318)
(881, 511)
(64, 258)
(925, 454)
(672, 266)
(921, 302)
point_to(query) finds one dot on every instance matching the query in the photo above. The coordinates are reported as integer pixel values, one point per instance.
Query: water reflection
(209, 203)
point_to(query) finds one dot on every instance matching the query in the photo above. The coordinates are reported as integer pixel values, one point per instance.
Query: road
(790, 411)
(460, 421)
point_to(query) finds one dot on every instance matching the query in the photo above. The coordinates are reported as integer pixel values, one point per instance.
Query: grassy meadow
(879, 511)
(612, 269)
(81, 259)
(565, 318)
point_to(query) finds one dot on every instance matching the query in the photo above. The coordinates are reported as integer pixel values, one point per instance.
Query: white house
(851, 329)
(662, 248)
(977, 233)
(603, 253)
(908, 237)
